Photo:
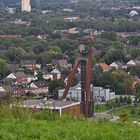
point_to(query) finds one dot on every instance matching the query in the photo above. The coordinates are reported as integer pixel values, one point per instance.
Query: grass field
(22, 124)
(132, 111)
(100, 108)
(12, 129)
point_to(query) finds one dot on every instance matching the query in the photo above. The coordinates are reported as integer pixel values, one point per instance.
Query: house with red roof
(103, 66)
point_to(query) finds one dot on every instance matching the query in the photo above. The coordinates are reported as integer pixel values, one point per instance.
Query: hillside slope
(67, 130)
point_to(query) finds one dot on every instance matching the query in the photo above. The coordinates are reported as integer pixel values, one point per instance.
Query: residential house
(121, 66)
(73, 31)
(53, 75)
(114, 66)
(133, 13)
(14, 91)
(103, 66)
(18, 91)
(38, 87)
(131, 63)
(46, 75)
(31, 78)
(71, 19)
(19, 78)
(29, 64)
(56, 74)
(63, 62)
(42, 37)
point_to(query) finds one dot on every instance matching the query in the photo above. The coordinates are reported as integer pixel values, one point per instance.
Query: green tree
(56, 84)
(128, 100)
(113, 55)
(4, 69)
(40, 76)
(109, 36)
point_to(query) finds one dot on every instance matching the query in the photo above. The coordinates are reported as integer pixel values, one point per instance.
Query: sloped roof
(113, 65)
(7, 88)
(131, 62)
(55, 71)
(103, 65)
(40, 84)
(20, 74)
(133, 13)
(2, 89)
(11, 76)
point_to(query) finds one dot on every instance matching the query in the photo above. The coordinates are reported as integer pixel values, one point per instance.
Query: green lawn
(133, 112)
(11, 129)
(22, 124)
(100, 108)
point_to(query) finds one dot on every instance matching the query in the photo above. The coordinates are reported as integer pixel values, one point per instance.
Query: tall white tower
(26, 5)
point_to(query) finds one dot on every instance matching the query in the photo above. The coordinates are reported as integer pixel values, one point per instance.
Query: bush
(129, 101)
(124, 116)
(132, 111)
(14, 112)
(138, 112)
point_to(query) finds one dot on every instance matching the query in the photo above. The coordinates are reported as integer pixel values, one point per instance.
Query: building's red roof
(8, 35)
(103, 65)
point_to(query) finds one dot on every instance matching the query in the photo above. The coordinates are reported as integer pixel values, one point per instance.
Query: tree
(53, 52)
(109, 36)
(117, 102)
(40, 76)
(128, 100)
(15, 54)
(113, 54)
(135, 52)
(121, 99)
(56, 84)
(135, 70)
(4, 69)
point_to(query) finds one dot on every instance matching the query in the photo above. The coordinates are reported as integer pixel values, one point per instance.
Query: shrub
(138, 112)
(124, 116)
(132, 111)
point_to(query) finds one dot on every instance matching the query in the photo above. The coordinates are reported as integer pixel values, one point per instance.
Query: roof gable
(2, 89)
(103, 65)
(11, 76)
(131, 62)
(113, 65)
(55, 71)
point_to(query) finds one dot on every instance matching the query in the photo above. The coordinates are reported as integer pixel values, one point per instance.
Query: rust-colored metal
(88, 81)
(86, 100)
(70, 79)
